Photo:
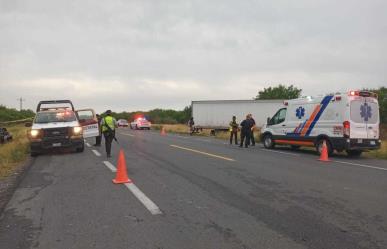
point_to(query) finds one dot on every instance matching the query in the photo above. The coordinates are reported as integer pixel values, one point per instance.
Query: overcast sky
(130, 55)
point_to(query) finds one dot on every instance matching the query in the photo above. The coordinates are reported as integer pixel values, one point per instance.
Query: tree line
(158, 116)
(11, 114)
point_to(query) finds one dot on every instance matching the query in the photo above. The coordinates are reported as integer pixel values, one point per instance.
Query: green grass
(381, 153)
(14, 152)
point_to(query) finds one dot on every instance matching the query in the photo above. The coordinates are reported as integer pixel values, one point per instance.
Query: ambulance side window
(279, 117)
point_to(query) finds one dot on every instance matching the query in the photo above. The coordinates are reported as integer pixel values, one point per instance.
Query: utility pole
(21, 102)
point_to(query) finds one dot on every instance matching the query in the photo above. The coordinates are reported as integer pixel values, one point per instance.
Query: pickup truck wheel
(268, 141)
(81, 149)
(354, 153)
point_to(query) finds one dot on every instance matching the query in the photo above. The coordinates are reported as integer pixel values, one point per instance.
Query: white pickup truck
(61, 127)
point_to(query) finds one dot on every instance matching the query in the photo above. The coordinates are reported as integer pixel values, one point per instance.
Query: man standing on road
(252, 139)
(246, 125)
(109, 125)
(191, 124)
(99, 137)
(234, 130)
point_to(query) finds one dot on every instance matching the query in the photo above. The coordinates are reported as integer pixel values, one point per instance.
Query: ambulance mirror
(268, 120)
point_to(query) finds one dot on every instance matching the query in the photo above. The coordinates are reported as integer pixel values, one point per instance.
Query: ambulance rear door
(371, 113)
(358, 120)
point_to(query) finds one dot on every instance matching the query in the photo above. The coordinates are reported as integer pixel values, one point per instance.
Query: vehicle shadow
(312, 151)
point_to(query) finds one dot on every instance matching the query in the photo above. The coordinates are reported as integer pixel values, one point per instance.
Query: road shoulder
(9, 184)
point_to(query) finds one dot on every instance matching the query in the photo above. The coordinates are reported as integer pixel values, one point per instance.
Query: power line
(21, 102)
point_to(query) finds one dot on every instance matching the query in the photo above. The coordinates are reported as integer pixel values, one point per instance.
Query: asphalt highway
(197, 192)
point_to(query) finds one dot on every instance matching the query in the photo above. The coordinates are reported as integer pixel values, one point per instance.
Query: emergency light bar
(52, 102)
(362, 94)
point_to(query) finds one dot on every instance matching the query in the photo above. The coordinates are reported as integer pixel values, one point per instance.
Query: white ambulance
(346, 121)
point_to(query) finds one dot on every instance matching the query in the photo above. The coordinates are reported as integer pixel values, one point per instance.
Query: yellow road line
(203, 153)
(127, 134)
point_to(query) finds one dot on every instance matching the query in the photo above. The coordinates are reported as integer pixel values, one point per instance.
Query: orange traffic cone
(324, 153)
(163, 133)
(121, 175)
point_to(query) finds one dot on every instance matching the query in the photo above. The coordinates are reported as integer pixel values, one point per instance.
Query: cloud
(144, 54)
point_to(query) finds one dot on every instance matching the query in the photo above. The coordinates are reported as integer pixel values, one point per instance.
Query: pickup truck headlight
(77, 130)
(34, 133)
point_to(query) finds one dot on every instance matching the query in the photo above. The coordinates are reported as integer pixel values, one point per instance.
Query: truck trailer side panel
(217, 114)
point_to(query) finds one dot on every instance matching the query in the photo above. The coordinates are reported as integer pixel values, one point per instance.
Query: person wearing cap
(109, 125)
(246, 125)
(234, 130)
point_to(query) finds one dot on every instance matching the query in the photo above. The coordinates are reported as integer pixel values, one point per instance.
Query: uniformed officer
(246, 125)
(109, 125)
(252, 139)
(191, 124)
(234, 130)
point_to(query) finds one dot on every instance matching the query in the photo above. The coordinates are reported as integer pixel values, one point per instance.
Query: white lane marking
(96, 152)
(181, 136)
(203, 140)
(110, 166)
(281, 152)
(360, 165)
(127, 134)
(88, 145)
(148, 203)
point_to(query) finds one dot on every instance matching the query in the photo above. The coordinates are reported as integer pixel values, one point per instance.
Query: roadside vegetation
(14, 152)
(11, 114)
(158, 116)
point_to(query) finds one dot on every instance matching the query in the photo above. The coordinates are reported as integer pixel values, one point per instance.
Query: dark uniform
(252, 139)
(191, 125)
(246, 125)
(109, 125)
(234, 130)
(98, 138)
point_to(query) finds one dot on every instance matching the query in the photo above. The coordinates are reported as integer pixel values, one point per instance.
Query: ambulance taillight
(347, 129)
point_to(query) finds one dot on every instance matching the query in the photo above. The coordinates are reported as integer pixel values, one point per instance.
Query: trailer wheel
(268, 141)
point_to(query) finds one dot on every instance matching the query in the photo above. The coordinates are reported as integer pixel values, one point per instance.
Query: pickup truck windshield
(55, 116)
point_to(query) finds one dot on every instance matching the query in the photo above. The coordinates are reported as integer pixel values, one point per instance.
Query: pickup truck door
(88, 120)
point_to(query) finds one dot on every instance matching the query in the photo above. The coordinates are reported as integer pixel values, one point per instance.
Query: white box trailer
(217, 114)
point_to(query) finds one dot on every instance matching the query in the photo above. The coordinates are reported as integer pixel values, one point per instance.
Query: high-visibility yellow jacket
(110, 121)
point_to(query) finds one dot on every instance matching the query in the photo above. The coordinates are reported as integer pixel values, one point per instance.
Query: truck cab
(58, 125)
(345, 121)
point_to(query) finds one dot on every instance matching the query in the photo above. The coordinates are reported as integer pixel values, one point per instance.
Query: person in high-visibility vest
(109, 125)
(234, 130)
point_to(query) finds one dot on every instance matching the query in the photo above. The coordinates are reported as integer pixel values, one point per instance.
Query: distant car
(122, 123)
(140, 124)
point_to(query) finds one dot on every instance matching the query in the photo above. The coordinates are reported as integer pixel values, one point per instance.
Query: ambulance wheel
(268, 141)
(354, 153)
(319, 146)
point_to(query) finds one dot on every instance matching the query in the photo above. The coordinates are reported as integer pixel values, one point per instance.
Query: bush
(11, 114)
